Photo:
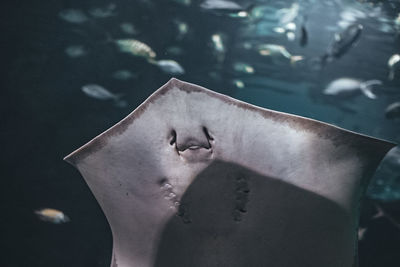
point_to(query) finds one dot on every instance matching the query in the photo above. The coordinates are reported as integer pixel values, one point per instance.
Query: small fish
(348, 86)
(75, 51)
(392, 64)
(183, 28)
(123, 75)
(243, 67)
(169, 66)
(342, 43)
(136, 48)
(277, 50)
(303, 33)
(128, 28)
(393, 111)
(218, 46)
(103, 12)
(221, 7)
(98, 92)
(240, 14)
(238, 83)
(218, 43)
(73, 16)
(52, 215)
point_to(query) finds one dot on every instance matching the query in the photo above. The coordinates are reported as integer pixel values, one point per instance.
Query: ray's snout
(192, 144)
(191, 139)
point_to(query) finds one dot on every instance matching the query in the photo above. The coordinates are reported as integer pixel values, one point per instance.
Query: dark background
(45, 115)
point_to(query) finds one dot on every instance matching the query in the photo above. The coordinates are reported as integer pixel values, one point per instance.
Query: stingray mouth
(192, 147)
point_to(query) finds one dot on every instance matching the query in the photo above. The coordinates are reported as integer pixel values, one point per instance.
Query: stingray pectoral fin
(280, 190)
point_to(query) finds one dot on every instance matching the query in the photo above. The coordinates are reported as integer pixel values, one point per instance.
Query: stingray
(196, 178)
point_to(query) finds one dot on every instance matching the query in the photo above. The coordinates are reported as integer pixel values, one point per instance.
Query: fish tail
(294, 59)
(366, 88)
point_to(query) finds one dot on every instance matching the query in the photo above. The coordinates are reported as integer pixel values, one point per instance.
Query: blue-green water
(52, 49)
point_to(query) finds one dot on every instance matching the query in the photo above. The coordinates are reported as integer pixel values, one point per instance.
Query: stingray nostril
(209, 137)
(173, 138)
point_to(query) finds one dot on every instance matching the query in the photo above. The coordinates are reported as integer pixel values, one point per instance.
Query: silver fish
(75, 51)
(230, 8)
(99, 92)
(52, 215)
(170, 66)
(346, 86)
(221, 5)
(275, 50)
(73, 15)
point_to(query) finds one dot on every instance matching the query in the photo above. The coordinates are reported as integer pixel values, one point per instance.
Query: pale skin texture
(196, 178)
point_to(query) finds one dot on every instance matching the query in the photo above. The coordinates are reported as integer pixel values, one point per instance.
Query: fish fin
(366, 88)
(294, 59)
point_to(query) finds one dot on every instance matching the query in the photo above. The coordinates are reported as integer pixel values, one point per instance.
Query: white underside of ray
(125, 173)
